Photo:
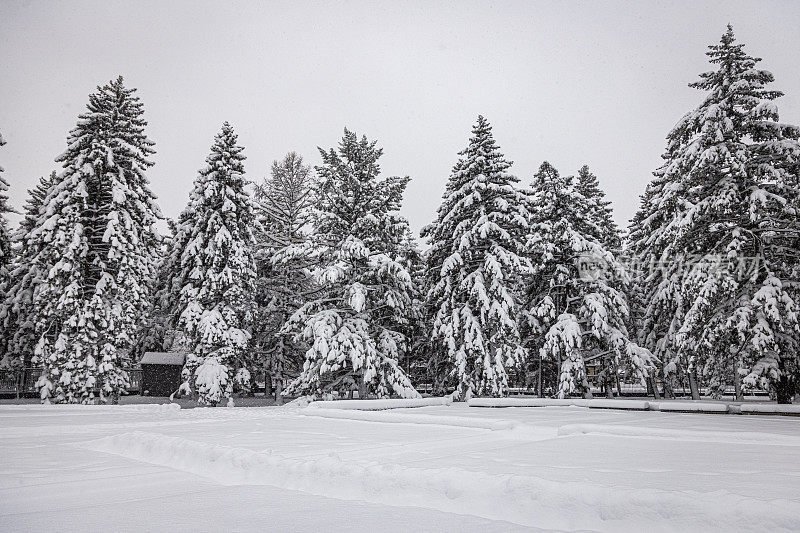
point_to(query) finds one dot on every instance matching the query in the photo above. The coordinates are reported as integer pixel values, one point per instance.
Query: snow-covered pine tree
(354, 324)
(589, 187)
(284, 202)
(98, 243)
(440, 370)
(17, 315)
(34, 203)
(475, 260)
(6, 333)
(5, 239)
(211, 271)
(157, 332)
(575, 306)
(658, 307)
(731, 173)
(416, 359)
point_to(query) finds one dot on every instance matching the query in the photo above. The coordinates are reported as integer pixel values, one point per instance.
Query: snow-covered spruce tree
(657, 305)
(575, 306)
(476, 246)
(97, 245)
(5, 239)
(211, 271)
(731, 175)
(416, 359)
(284, 202)
(6, 333)
(157, 331)
(588, 186)
(17, 315)
(354, 323)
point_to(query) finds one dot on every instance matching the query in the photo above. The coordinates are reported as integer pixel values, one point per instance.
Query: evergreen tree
(658, 306)
(211, 271)
(97, 245)
(36, 197)
(156, 332)
(588, 186)
(731, 234)
(415, 361)
(5, 240)
(17, 315)
(284, 202)
(575, 306)
(354, 326)
(475, 259)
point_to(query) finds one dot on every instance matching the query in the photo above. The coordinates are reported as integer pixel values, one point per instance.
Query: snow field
(562, 468)
(526, 500)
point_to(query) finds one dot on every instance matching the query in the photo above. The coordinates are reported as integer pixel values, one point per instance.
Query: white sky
(571, 82)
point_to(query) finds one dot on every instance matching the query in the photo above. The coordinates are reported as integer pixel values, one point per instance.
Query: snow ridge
(768, 439)
(435, 420)
(379, 405)
(525, 500)
(558, 402)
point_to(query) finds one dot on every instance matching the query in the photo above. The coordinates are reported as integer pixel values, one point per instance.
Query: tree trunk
(654, 384)
(737, 385)
(278, 391)
(587, 389)
(267, 383)
(783, 389)
(362, 388)
(616, 378)
(669, 392)
(539, 378)
(693, 386)
(559, 392)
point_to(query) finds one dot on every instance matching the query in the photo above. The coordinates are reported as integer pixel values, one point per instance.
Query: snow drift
(525, 500)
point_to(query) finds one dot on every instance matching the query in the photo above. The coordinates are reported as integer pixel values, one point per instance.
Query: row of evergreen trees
(315, 278)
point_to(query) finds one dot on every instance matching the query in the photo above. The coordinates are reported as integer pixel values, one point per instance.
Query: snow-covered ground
(435, 468)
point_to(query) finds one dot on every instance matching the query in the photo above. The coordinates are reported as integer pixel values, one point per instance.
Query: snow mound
(769, 439)
(413, 418)
(152, 407)
(379, 405)
(690, 407)
(769, 409)
(552, 402)
(96, 408)
(525, 500)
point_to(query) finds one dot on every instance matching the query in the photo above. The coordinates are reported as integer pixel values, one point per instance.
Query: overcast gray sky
(570, 82)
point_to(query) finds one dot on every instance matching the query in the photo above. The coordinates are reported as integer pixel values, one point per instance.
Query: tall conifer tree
(575, 305)
(355, 325)
(721, 218)
(475, 260)
(284, 202)
(589, 187)
(211, 271)
(5, 240)
(17, 315)
(98, 243)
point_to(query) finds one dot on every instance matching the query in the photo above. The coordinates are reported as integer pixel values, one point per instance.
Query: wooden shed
(161, 372)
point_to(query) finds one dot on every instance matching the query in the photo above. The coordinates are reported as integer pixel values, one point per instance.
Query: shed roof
(163, 358)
